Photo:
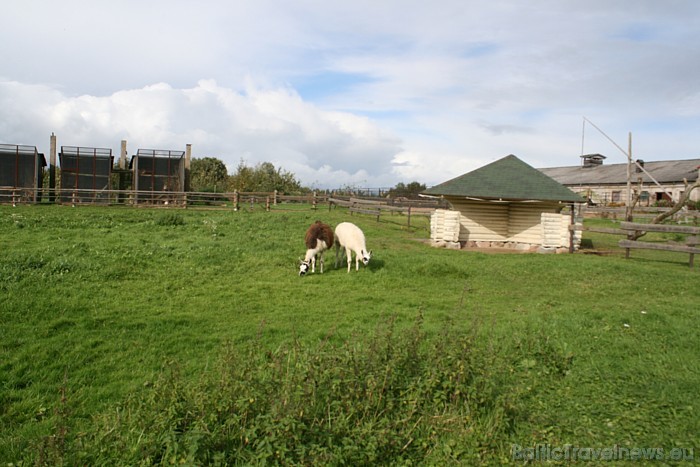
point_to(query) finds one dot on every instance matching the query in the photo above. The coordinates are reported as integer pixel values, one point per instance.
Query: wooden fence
(377, 208)
(236, 200)
(641, 213)
(76, 197)
(690, 245)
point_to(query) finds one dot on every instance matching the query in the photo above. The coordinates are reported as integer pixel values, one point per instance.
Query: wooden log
(373, 212)
(659, 228)
(658, 246)
(604, 230)
(629, 244)
(391, 208)
(365, 201)
(339, 202)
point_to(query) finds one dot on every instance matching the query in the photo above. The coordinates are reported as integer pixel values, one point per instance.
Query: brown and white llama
(319, 238)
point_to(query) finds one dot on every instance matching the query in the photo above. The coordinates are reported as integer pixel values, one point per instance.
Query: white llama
(351, 237)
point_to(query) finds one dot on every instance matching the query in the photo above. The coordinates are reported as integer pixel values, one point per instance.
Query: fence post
(572, 232)
(409, 215)
(313, 202)
(267, 203)
(274, 201)
(235, 200)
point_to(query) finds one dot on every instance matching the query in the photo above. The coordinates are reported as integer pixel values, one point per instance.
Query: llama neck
(311, 252)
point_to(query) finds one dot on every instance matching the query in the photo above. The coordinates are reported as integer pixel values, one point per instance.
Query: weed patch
(393, 397)
(170, 219)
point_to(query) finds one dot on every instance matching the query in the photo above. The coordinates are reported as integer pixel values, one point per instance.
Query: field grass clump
(170, 219)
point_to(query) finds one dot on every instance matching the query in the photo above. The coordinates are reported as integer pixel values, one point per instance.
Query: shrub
(395, 397)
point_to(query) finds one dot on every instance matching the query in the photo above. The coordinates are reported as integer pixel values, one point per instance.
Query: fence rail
(641, 213)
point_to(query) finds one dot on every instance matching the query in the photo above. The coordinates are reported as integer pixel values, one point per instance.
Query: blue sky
(359, 93)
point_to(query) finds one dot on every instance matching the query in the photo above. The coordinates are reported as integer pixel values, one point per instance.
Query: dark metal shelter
(85, 174)
(158, 171)
(21, 172)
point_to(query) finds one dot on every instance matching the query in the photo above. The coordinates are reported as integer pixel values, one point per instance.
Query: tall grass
(151, 336)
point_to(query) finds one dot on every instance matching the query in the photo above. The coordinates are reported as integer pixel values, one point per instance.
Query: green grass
(154, 336)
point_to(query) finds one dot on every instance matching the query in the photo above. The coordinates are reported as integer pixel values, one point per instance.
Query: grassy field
(151, 336)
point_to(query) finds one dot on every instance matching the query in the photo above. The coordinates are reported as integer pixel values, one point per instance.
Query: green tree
(264, 177)
(407, 191)
(208, 174)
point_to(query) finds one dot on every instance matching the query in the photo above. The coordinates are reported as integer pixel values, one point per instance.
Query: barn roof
(616, 174)
(505, 179)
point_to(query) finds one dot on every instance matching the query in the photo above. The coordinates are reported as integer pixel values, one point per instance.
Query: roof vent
(592, 160)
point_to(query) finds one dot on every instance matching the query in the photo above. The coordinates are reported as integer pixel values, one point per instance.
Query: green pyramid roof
(506, 179)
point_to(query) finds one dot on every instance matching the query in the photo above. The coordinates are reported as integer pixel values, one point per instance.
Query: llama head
(366, 255)
(304, 267)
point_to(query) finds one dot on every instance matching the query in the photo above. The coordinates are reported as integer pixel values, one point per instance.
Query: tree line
(209, 174)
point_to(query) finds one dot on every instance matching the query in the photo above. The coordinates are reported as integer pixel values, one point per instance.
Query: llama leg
(348, 253)
(313, 263)
(320, 260)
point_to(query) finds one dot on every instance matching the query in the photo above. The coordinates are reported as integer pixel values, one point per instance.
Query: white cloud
(255, 125)
(355, 92)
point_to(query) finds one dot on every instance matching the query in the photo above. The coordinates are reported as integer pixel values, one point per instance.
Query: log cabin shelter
(605, 184)
(506, 204)
(85, 174)
(21, 172)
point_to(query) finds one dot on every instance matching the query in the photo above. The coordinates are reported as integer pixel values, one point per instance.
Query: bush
(395, 397)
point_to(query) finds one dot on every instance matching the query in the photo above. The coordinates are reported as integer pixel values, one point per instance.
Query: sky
(356, 94)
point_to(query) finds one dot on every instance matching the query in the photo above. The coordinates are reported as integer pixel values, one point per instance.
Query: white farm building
(606, 184)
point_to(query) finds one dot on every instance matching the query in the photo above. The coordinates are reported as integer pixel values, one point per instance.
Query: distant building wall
(617, 194)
